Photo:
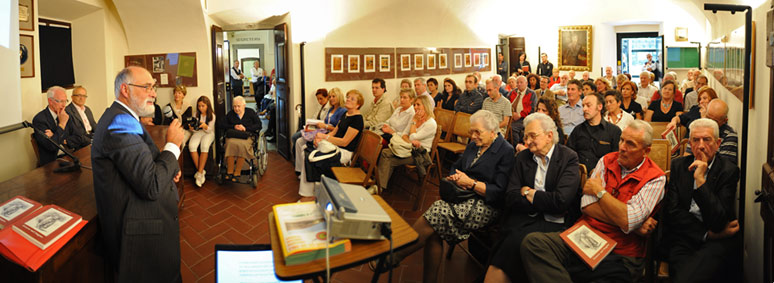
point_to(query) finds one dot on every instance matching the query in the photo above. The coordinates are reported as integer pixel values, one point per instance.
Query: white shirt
(540, 182)
(645, 94)
(84, 118)
(255, 74)
(425, 133)
(558, 87)
(171, 147)
(622, 120)
(210, 126)
(400, 120)
(234, 75)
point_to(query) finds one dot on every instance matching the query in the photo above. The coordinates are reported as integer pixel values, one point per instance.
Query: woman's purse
(320, 161)
(400, 147)
(237, 134)
(453, 194)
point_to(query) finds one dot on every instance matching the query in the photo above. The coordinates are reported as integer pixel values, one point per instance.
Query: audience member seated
(595, 137)
(717, 110)
(498, 105)
(543, 90)
(614, 114)
(420, 89)
(500, 86)
(419, 135)
(560, 90)
(178, 109)
(619, 80)
(480, 85)
(471, 100)
(587, 88)
(628, 99)
(202, 137)
(239, 123)
(451, 93)
(571, 75)
(330, 119)
(542, 196)
(483, 168)
(401, 117)
(700, 220)
(610, 77)
(545, 68)
(646, 89)
(688, 82)
(554, 78)
(692, 98)
(706, 94)
(381, 109)
(678, 96)
(533, 82)
(665, 108)
(548, 107)
(81, 118)
(346, 136)
(603, 85)
(54, 122)
(432, 89)
(525, 102)
(622, 192)
(585, 77)
(572, 112)
(323, 97)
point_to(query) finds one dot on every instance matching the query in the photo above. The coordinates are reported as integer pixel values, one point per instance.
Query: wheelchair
(254, 169)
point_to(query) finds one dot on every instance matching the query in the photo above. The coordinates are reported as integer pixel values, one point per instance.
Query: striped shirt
(728, 145)
(639, 207)
(501, 108)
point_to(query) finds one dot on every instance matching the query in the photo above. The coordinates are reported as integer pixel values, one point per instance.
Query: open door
(282, 88)
(218, 77)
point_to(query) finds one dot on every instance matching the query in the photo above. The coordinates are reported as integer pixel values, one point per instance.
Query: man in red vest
(618, 199)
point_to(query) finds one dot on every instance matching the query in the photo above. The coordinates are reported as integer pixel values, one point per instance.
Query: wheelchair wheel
(219, 179)
(254, 181)
(263, 155)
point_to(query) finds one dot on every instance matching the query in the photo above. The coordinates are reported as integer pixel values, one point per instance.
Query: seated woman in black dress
(706, 94)
(448, 98)
(240, 120)
(666, 108)
(628, 103)
(484, 168)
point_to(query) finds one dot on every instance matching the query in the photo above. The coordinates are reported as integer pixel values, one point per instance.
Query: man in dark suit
(54, 122)
(134, 185)
(700, 222)
(543, 195)
(81, 118)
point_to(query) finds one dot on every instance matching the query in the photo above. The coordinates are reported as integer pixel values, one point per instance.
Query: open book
(591, 245)
(301, 229)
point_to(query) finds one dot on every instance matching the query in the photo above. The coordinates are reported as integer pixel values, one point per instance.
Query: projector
(353, 213)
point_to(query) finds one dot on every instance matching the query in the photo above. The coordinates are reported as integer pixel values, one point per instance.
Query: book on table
(589, 244)
(16, 208)
(302, 233)
(46, 225)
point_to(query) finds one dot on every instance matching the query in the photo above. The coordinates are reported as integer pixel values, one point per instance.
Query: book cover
(46, 225)
(16, 208)
(19, 250)
(671, 136)
(301, 229)
(590, 245)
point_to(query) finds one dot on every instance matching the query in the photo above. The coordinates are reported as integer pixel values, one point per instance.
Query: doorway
(632, 50)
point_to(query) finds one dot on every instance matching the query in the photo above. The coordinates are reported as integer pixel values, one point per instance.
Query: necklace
(665, 106)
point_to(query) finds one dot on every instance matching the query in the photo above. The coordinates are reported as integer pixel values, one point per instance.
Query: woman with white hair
(239, 145)
(484, 169)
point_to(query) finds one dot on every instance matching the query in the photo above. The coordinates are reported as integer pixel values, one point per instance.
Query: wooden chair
(660, 127)
(35, 148)
(660, 153)
(435, 161)
(445, 119)
(584, 174)
(367, 151)
(683, 146)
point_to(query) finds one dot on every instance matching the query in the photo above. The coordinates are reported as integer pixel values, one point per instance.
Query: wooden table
(362, 250)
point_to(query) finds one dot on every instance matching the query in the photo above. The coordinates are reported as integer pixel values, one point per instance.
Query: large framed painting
(575, 47)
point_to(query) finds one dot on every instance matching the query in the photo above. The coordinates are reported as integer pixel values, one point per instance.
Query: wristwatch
(474, 185)
(601, 193)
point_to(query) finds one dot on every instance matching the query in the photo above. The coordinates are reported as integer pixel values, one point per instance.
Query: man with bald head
(55, 123)
(560, 90)
(134, 185)
(717, 110)
(498, 84)
(610, 77)
(81, 117)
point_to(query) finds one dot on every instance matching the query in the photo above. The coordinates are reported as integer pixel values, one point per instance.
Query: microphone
(168, 111)
(64, 166)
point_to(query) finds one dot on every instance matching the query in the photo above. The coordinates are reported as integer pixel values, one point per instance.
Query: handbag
(237, 134)
(320, 161)
(400, 147)
(452, 193)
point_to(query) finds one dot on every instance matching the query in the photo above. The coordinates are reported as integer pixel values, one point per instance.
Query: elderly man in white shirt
(256, 79)
(83, 119)
(560, 90)
(646, 90)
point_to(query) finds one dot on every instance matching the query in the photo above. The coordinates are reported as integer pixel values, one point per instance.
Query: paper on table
(164, 79)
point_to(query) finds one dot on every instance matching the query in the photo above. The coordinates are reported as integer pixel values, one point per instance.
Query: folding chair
(368, 151)
(435, 161)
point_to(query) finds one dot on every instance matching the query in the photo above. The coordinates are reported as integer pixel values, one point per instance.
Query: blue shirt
(571, 115)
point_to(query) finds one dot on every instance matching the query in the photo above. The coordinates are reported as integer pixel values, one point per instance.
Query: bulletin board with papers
(170, 69)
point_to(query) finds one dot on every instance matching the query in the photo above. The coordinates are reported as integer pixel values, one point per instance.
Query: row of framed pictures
(369, 64)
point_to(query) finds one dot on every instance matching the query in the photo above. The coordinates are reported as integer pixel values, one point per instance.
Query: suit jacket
(562, 186)
(80, 137)
(44, 121)
(136, 199)
(716, 199)
(492, 168)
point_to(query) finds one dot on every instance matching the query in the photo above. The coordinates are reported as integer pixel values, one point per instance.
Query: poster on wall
(485, 59)
(353, 63)
(384, 63)
(468, 62)
(419, 61)
(458, 60)
(369, 65)
(405, 62)
(442, 61)
(27, 15)
(477, 60)
(337, 63)
(431, 61)
(158, 64)
(27, 56)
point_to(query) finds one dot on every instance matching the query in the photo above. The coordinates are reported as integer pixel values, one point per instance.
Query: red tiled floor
(237, 214)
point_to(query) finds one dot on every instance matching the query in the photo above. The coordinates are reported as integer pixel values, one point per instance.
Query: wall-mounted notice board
(682, 57)
(352, 64)
(168, 69)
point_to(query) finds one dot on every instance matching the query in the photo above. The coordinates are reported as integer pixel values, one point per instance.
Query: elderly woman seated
(399, 121)
(419, 135)
(484, 168)
(346, 136)
(238, 124)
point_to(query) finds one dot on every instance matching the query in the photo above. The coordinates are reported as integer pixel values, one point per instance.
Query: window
(56, 54)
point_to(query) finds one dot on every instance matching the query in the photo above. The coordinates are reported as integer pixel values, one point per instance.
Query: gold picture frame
(575, 48)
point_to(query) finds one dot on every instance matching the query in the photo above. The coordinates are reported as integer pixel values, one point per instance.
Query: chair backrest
(461, 125)
(683, 145)
(35, 148)
(660, 153)
(583, 175)
(660, 127)
(368, 151)
(445, 119)
(436, 140)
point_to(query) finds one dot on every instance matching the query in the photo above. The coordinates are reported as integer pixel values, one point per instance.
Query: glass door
(633, 50)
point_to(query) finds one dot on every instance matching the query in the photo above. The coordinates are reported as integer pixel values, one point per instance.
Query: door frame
(621, 35)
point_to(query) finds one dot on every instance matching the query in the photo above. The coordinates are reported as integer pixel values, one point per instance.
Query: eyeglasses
(81, 95)
(60, 101)
(532, 136)
(147, 87)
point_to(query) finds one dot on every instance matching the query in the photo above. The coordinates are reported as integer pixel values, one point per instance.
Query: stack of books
(302, 233)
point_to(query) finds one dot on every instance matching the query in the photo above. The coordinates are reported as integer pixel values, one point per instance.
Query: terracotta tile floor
(237, 214)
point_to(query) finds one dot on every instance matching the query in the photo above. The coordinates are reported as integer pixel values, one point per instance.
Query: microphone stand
(66, 166)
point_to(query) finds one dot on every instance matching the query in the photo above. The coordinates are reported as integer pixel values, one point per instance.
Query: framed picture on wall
(419, 61)
(485, 59)
(442, 61)
(477, 59)
(575, 48)
(27, 15)
(353, 63)
(405, 62)
(27, 56)
(369, 65)
(431, 61)
(458, 60)
(384, 63)
(468, 62)
(337, 63)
